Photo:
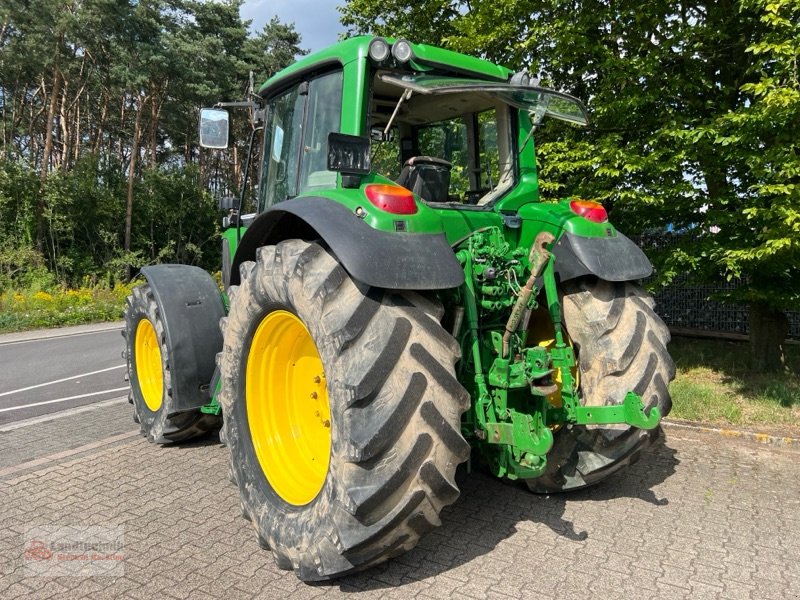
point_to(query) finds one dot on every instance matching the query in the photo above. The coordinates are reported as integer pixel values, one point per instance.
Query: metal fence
(689, 306)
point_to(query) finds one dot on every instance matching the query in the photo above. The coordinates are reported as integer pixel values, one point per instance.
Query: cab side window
(281, 146)
(324, 117)
(296, 138)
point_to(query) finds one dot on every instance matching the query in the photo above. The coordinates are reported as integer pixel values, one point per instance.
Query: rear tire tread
(621, 346)
(395, 409)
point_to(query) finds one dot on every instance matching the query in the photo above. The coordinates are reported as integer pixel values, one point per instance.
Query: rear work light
(391, 198)
(589, 209)
(378, 50)
(402, 51)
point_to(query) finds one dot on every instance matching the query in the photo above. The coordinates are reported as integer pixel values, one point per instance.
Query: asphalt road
(47, 372)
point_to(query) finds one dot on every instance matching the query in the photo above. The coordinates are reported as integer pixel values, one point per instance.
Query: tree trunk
(153, 141)
(137, 137)
(64, 138)
(237, 169)
(156, 102)
(188, 148)
(120, 152)
(48, 150)
(768, 330)
(100, 124)
(76, 143)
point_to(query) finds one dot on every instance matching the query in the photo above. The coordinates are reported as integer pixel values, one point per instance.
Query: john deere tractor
(401, 301)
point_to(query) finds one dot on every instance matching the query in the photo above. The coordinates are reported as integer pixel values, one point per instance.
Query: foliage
(275, 47)
(695, 113)
(100, 170)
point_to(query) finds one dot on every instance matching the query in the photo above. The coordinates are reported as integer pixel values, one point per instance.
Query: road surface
(700, 516)
(50, 371)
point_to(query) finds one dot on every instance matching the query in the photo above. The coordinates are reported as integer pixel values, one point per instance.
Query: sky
(317, 21)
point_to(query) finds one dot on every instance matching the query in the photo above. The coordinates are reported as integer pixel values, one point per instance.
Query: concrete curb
(41, 334)
(761, 438)
(46, 460)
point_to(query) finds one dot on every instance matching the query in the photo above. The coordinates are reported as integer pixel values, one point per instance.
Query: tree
(766, 245)
(99, 101)
(275, 47)
(695, 111)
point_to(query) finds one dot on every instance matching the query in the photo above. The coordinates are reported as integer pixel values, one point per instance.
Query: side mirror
(376, 134)
(213, 128)
(228, 202)
(348, 154)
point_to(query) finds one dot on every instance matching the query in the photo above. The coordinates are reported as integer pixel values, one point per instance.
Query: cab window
(449, 149)
(295, 139)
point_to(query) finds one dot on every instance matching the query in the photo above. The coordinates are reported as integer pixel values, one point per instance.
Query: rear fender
(614, 258)
(391, 260)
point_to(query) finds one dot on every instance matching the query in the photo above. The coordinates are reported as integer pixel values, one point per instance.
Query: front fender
(614, 258)
(191, 306)
(391, 260)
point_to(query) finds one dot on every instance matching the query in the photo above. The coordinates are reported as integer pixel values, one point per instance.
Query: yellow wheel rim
(149, 372)
(287, 407)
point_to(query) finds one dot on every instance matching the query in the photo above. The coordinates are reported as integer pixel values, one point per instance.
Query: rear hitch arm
(630, 412)
(538, 258)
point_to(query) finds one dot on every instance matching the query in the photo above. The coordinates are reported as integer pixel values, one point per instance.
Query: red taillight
(588, 209)
(391, 198)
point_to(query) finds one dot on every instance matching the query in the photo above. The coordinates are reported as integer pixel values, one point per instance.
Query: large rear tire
(621, 346)
(367, 377)
(150, 367)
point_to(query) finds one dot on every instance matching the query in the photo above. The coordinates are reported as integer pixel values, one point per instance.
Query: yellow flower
(43, 296)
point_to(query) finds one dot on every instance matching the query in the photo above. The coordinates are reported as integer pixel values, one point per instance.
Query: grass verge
(714, 385)
(22, 310)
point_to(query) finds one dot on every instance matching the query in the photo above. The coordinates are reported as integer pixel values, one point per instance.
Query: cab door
(295, 139)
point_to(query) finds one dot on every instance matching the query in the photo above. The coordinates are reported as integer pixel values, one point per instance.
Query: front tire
(150, 367)
(391, 400)
(621, 346)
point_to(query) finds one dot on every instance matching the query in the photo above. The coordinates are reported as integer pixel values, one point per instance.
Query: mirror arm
(256, 108)
(246, 104)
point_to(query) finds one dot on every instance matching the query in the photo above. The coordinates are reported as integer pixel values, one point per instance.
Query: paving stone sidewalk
(81, 427)
(698, 516)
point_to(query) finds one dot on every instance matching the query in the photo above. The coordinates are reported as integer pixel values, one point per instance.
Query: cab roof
(426, 57)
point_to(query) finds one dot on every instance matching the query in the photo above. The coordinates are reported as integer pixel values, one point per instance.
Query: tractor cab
(454, 130)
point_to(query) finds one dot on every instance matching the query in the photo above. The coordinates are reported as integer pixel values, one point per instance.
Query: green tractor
(402, 301)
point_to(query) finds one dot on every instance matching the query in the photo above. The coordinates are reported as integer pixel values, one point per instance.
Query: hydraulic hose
(538, 258)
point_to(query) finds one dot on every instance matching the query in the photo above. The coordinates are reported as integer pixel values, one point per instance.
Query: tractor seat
(428, 177)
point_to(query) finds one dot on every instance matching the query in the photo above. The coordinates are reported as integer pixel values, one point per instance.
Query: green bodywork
(521, 396)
